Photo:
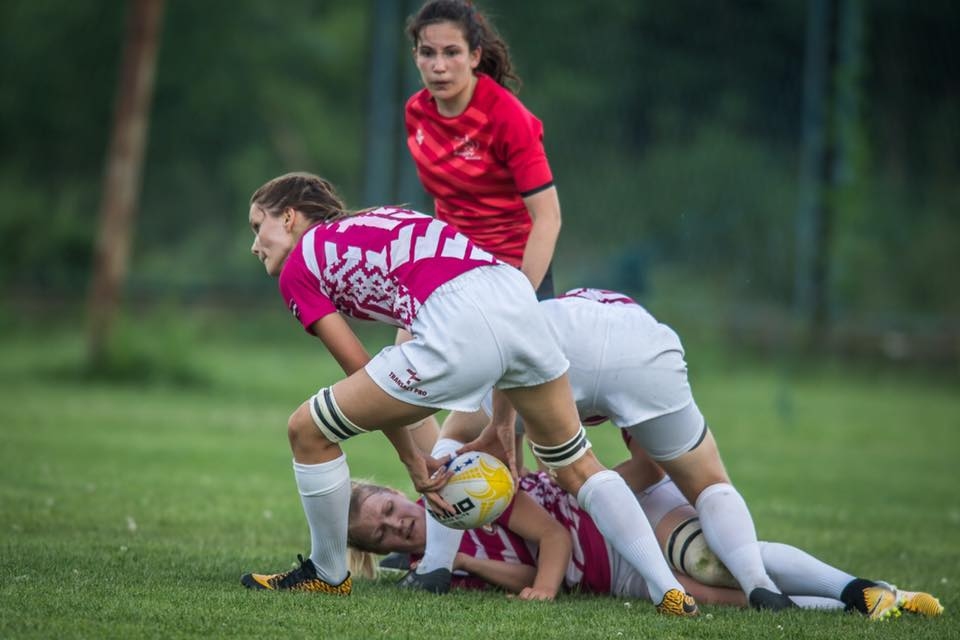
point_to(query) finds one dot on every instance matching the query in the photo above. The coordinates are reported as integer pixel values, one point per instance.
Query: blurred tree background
(675, 131)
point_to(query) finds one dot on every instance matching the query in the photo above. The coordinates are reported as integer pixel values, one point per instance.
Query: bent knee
(301, 430)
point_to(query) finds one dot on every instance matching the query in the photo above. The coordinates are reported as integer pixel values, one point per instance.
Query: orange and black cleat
(677, 603)
(302, 578)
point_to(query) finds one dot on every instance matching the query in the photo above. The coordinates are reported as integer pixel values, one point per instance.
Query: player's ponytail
(478, 32)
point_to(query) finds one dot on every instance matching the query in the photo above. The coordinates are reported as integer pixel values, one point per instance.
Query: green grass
(131, 510)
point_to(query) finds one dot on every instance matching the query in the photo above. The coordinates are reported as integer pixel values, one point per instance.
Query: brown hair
(313, 196)
(477, 31)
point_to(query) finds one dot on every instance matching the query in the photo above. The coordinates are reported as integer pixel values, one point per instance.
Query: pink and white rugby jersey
(376, 265)
(599, 295)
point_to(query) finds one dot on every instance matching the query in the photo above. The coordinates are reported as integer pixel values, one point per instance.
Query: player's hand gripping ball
(479, 490)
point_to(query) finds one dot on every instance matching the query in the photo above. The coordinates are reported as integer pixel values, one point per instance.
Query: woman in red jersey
(479, 152)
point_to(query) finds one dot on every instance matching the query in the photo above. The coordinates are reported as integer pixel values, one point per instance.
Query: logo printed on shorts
(408, 385)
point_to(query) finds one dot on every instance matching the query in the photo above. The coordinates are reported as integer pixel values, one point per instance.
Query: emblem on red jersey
(419, 136)
(466, 148)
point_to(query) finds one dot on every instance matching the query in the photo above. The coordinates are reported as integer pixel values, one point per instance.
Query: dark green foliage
(673, 130)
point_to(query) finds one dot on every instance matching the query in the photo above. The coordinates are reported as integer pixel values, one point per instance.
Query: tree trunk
(817, 163)
(382, 105)
(121, 185)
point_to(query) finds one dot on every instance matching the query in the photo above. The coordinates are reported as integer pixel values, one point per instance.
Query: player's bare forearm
(509, 576)
(342, 343)
(503, 424)
(403, 443)
(555, 550)
(532, 522)
(544, 209)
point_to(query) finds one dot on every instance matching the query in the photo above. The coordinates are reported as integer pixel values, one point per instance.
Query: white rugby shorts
(483, 329)
(628, 367)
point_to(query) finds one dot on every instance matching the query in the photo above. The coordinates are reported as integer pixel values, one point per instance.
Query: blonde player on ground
(461, 305)
(544, 544)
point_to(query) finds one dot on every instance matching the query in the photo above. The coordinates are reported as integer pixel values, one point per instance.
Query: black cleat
(765, 600)
(396, 560)
(436, 581)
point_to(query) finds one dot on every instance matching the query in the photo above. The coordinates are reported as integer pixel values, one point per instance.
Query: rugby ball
(479, 490)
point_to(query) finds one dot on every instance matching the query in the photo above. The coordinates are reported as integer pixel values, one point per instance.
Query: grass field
(131, 510)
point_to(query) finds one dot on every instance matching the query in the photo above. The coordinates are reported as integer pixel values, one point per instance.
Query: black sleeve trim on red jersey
(527, 194)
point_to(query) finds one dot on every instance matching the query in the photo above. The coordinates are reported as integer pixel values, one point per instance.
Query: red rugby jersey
(479, 165)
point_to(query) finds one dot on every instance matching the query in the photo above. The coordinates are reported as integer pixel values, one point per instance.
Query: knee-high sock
(618, 516)
(325, 494)
(797, 572)
(442, 542)
(816, 602)
(729, 532)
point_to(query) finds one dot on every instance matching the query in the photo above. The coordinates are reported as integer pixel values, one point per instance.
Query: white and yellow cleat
(881, 603)
(919, 603)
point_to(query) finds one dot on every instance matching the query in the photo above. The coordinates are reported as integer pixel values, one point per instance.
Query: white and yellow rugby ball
(479, 490)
